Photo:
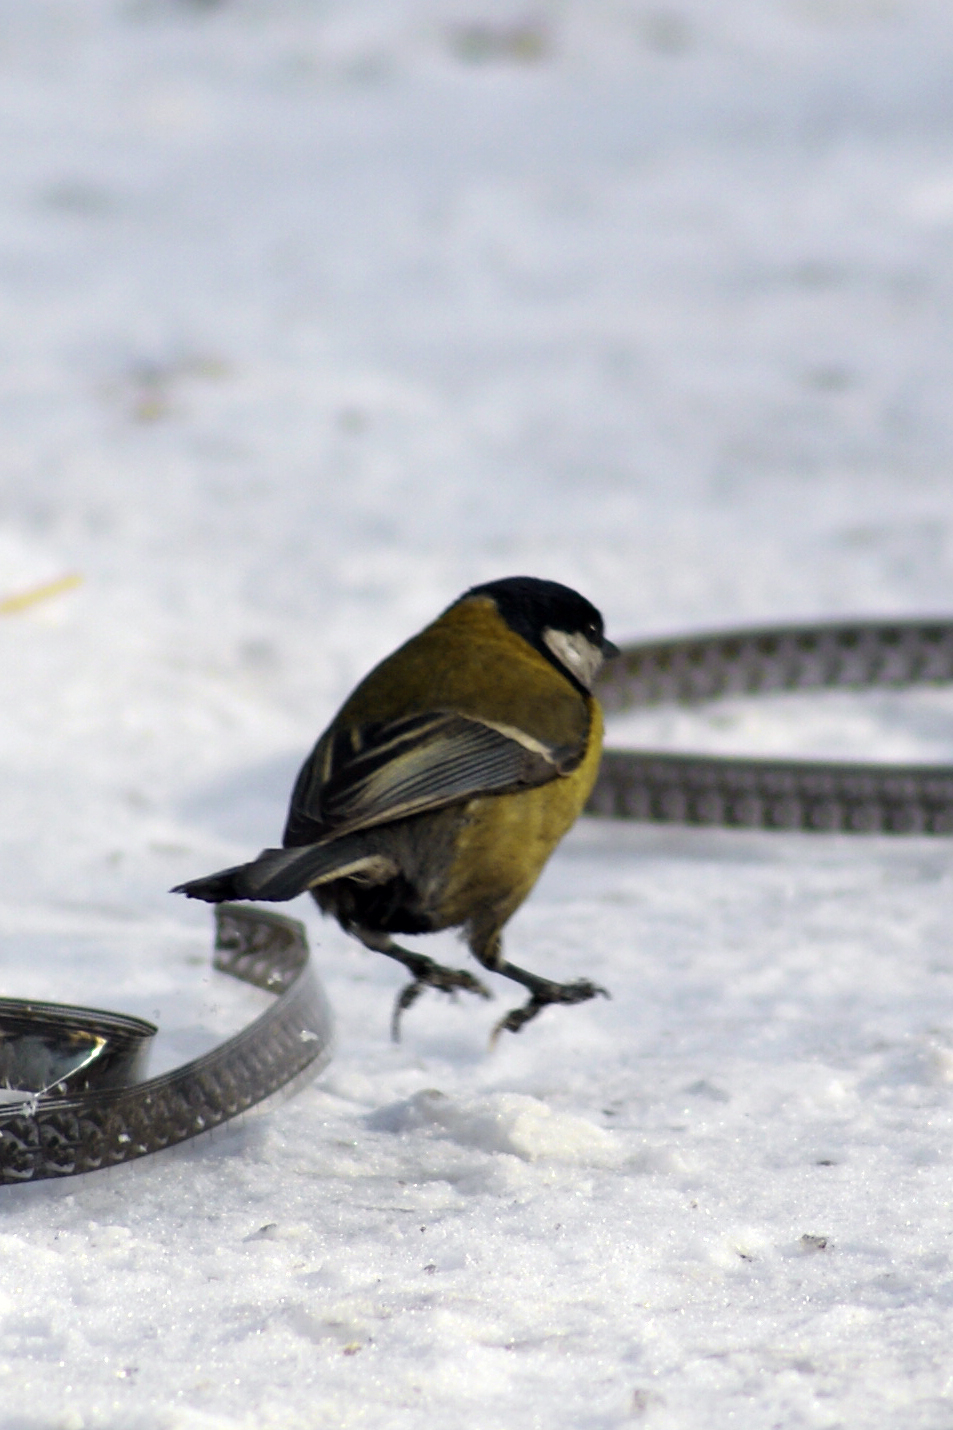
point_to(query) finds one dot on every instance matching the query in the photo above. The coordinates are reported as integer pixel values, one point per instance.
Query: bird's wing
(373, 774)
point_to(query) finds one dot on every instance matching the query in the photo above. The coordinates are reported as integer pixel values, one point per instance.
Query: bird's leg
(426, 974)
(542, 991)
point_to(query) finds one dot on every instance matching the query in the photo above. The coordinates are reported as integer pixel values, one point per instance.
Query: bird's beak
(609, 649)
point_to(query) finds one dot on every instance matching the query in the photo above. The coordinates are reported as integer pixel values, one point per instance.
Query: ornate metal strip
(95, 1115)
(777, 794)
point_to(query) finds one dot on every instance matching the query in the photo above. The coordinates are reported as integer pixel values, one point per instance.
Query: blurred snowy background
(312, 315)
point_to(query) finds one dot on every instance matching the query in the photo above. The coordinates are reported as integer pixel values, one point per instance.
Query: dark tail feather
(279, 874)
(220, 888)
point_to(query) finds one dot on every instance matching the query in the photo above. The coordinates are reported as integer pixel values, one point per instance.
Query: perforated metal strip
(85, 1122)
(777, 794)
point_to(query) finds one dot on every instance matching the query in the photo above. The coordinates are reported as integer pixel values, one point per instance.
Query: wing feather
(374, 774)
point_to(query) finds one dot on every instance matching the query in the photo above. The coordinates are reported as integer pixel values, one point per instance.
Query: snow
(314, 314)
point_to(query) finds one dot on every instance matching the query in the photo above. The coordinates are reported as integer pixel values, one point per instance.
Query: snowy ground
(314, 314)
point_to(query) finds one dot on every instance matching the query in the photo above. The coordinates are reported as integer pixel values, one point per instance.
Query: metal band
(777, 794)
(94, 1114)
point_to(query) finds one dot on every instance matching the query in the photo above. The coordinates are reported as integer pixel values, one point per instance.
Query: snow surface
(312, 315)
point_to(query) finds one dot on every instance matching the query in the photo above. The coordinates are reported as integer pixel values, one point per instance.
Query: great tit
(443, 784)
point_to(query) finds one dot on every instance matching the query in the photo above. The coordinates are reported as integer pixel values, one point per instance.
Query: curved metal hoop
(74, 1104)
(821, 796)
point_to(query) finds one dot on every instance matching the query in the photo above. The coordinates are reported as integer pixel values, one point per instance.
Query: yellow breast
(504, 841)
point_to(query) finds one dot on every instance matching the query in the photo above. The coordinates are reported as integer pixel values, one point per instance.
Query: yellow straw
(11, 605)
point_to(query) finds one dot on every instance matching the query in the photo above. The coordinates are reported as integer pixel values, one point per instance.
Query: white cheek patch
(576, 653)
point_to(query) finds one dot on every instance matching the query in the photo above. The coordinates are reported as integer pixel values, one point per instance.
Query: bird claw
(428, 974)
(546, 993)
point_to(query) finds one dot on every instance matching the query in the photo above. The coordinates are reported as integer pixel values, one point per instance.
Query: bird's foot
(425, 973)
(542, 993)
(428, 974)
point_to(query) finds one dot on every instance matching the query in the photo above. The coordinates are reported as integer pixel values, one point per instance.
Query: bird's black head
(562, 625)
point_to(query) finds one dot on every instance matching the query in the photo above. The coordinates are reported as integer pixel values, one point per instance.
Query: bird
(439, 790)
